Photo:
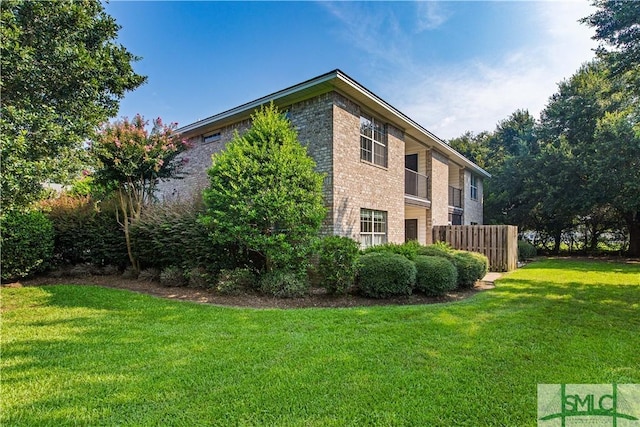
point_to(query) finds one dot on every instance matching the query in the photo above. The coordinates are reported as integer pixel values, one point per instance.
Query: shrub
(526, 250)
(384, 274)
(441, 249)
(86, 231)
(338, 263)
(149, 275)
(26, 239)
(82, 270)
(130, 273)
(173, 276)
(284, 284)
(408, 249)
(265, 195)
(435, 275)
(200, 277)
(170, 234)
(235, 281)
(471, 266)
(110, 270)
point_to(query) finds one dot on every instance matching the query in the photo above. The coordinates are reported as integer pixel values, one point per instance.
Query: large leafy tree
(265, 196)
(594, 118)
(617, 25)
(132, 160)
(63, 73)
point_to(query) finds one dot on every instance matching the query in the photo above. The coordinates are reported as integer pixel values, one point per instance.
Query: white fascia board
(250, 106)
(332, 78)
(409, 123)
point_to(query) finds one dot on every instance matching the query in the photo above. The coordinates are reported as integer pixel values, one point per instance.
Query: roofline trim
(324, 78)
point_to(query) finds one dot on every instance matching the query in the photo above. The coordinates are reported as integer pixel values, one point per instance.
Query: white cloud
(475, 96)
(373, 28)
(430, 15)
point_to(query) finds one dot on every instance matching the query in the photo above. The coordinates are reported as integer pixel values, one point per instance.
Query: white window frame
(373, 227)
(373, 141)
(473, 187)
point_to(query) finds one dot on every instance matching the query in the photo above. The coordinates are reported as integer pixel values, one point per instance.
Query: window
(474, 187)
(373, 141)
(373, 227)
(212, 138)
(455, 219)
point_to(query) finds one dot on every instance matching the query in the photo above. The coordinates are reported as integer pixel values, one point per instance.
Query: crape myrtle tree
(265, 197)
(62, 75)
(133, 160)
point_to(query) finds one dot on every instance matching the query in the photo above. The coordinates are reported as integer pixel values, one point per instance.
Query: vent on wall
(212, 138)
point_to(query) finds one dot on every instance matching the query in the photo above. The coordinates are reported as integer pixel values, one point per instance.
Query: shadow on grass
(102, 356)
(621, 265)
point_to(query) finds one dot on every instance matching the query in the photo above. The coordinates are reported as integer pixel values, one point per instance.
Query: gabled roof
(340, 82)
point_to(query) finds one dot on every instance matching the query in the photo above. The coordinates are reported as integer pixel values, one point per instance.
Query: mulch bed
(316, 298)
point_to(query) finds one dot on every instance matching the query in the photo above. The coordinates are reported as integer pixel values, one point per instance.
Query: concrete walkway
(488, 280)
(491, 277)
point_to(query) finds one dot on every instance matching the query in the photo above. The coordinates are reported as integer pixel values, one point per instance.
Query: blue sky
(451, 66)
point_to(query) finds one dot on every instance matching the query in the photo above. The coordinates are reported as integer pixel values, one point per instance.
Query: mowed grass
(74, 355)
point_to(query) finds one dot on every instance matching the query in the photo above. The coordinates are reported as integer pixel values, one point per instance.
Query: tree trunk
(124, 205)
(633, 224)
(557, 239)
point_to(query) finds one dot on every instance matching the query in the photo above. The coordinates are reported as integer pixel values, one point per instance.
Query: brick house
(387, 179)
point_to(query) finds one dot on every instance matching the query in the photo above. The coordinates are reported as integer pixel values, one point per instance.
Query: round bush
(435, 275)
(408, 249)
(173, 276)
(471, 266)
(26, 239)
(437, 249)
(385, 274)
(338, 263)
(284, 284)
(236, 281)
(526, 250)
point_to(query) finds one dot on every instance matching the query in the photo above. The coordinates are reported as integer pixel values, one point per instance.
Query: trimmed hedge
(338, 263)
(435, 275)
(440, 249)
(409, 249)
(171, 235)
(471, 266)
(86, 231)
(27, 241)
(526, 250)
(384, 274)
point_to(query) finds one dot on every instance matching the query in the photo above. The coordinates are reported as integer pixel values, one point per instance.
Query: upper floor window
(474, 187)
(212, 138)
(373, 227)
(373, 141)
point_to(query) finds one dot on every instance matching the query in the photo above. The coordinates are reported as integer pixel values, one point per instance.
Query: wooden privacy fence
(498, 242)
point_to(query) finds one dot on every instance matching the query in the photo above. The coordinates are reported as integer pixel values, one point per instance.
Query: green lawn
(93, 356)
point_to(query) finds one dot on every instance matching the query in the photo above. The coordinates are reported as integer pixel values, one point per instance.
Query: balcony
(416, 188)
(455, 197)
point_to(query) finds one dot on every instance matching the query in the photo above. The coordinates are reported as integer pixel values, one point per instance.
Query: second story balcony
(416, 186)
(455, 197)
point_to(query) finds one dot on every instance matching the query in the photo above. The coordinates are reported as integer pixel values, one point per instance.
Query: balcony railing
(455, 197)
(416, 184)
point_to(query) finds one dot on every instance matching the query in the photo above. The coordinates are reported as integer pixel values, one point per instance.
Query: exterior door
(410, 229)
